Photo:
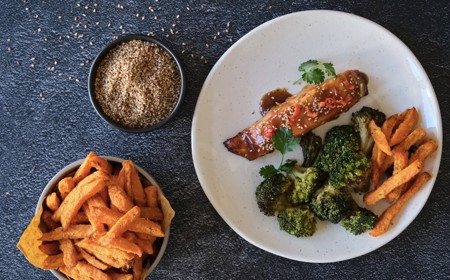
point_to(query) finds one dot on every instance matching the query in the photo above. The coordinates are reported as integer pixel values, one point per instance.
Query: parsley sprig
(283, 141)
(314, 72)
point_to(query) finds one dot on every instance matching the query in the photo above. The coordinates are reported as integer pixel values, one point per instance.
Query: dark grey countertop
(47, 121)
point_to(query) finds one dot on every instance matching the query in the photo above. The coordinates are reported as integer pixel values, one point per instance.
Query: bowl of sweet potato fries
(99, 218)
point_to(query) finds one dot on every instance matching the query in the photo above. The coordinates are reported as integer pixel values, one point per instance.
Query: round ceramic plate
(268, 58)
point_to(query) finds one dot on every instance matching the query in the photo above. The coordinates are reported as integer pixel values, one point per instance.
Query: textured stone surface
(47, 121)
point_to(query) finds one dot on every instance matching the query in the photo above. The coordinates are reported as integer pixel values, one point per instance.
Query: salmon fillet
(313, 106)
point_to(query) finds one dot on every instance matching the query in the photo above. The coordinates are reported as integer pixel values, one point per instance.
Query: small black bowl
(96, 64)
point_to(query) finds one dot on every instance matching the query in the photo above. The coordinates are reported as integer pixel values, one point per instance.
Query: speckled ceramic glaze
(268, 58)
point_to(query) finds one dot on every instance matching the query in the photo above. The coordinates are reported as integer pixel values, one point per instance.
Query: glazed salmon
(313, 106)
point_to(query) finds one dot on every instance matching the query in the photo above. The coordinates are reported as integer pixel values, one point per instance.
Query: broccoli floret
(271, 194)
(351, 170)
(359, 221)
(339, 140)
(306, 181)
(342, 158)
(361, 120)
(331, 204)
(311, 145)
(298, 221)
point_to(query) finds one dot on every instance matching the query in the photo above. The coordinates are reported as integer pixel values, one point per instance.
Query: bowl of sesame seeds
(136, 83)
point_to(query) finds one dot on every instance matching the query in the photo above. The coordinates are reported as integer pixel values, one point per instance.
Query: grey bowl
(70, 169)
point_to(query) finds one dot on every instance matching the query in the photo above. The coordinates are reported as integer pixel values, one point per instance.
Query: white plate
(267, 58)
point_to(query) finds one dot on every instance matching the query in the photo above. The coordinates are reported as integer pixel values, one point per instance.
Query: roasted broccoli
(331, 204)
(359, 220)
(271, 194)
(351, 170)
(306, 181)
(338, 140)
(342, 158)
(311, 145)
(298, 221)
(361, 120)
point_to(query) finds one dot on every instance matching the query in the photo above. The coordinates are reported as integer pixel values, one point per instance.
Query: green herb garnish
(283, 141)
(315, 72)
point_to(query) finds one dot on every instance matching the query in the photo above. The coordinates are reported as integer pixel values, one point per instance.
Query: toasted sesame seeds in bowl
(136, 83)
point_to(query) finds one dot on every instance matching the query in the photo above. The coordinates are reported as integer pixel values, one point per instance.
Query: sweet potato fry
(393, 182)
(119, 198)
(65, 186)
(125, 178)
(125, 245)
(428, 147)
(379, 138)
(389, 125)
(72, 232)
(151, 194)
(411, 117)
(98, 227)
(94, 201)
(378, 157)
(137, 269)
(53, 261)
(111, 256)
(138, 190)
(84, 169)
(132, 185)
(110, 217)
(88, 271)
(146, 245)
(53, 202)
(400, 162)
(46, 217)
(376, 161)
(91, 161)
(152, 213)
(80, 218)
(88, 187)
(413, 138)
(71, 272)
(69, 252)
(148, 227)
(119, 276)
(51, 248)
(123, 223)
(145, 236)
(101, 164)
(92, 260)
(384, 221)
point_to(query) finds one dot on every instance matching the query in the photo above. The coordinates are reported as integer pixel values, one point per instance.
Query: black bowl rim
(92, 75)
